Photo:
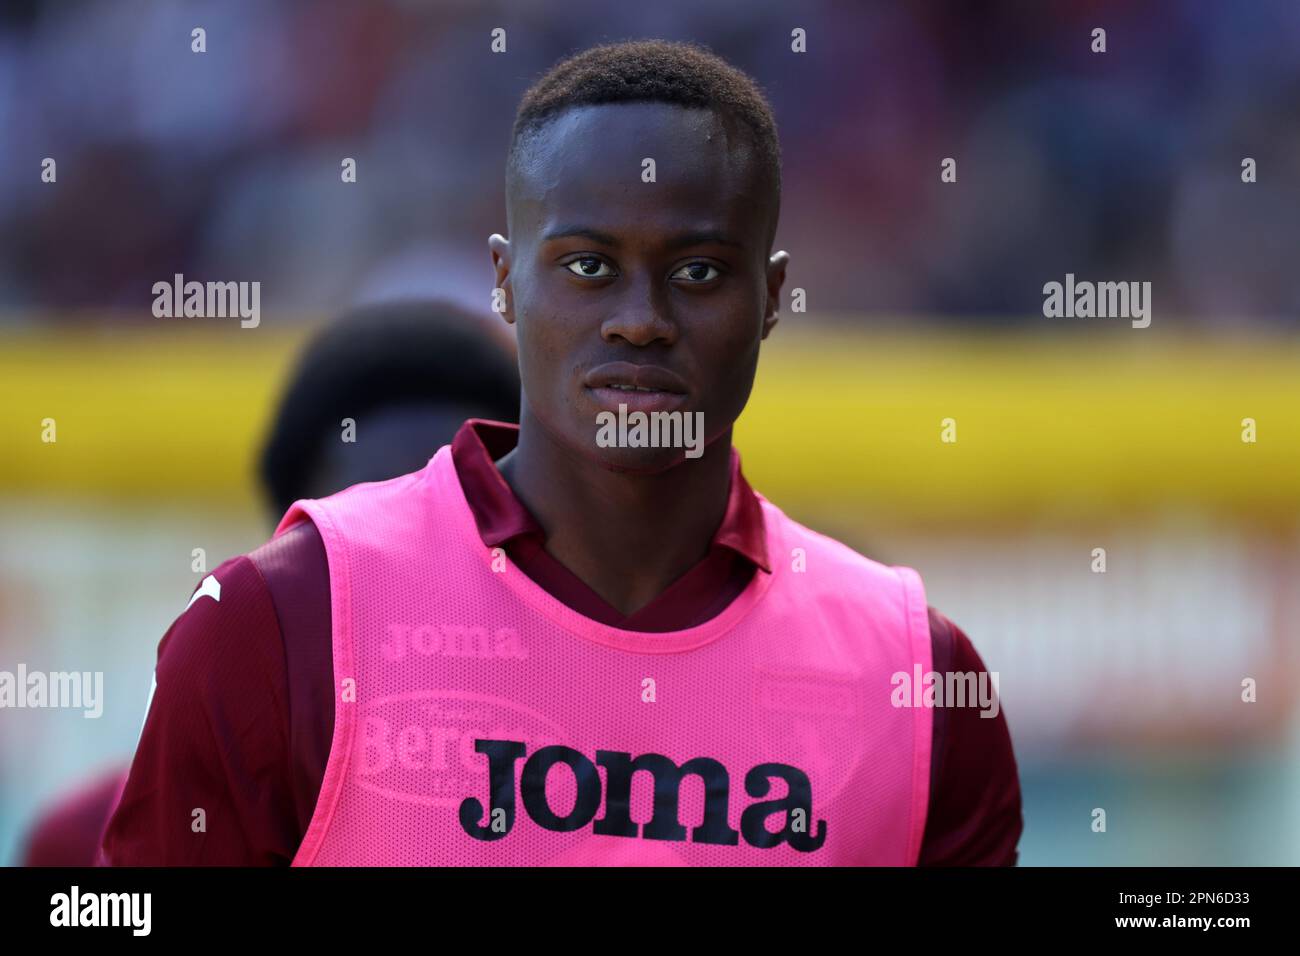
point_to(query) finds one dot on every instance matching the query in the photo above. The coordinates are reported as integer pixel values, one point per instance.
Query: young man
(545, 648)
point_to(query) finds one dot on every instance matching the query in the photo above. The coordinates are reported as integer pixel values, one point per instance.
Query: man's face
(618, 284)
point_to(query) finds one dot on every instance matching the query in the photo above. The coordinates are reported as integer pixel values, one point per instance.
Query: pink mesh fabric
(775, 717)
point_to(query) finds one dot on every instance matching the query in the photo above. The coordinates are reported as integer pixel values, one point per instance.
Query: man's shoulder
(813, 544)
(368, 515)
(295, 569)
(294, 550)
(238, 607)
(220, 651)
(233, 592)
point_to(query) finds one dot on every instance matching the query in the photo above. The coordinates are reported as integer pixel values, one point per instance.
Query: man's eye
(589, 268)
(697, 272)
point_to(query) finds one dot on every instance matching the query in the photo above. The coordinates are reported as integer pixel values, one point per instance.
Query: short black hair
(385, 354)
(657, 71)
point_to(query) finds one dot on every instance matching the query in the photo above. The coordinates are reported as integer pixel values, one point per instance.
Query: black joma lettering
(499, 818)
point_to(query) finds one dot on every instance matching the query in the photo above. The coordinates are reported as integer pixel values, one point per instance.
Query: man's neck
(626, 536)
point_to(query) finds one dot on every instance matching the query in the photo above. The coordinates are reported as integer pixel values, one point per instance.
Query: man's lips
(634, 379)
(639, 388)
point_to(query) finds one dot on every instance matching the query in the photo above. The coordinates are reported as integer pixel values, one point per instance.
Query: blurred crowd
(1123, 165)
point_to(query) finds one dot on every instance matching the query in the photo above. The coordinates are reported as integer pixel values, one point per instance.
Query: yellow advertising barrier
(1105, 424)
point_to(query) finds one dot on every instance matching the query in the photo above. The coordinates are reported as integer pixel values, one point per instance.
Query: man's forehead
(590, 162)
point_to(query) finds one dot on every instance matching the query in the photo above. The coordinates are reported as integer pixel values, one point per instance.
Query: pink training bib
(479, 721)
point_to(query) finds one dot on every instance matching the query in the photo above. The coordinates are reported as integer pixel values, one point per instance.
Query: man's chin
(640, 461)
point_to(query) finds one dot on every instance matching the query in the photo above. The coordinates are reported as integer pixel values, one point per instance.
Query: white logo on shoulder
(148, 704)
(210, 587)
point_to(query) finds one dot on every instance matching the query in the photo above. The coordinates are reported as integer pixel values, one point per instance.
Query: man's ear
(499, 246)
(776, 266)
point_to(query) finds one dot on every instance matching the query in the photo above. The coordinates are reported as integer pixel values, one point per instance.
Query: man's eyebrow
(595, 235)
(703, 237)
(698, 237)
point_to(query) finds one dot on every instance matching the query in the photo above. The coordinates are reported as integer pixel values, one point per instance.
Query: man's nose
(641, 317)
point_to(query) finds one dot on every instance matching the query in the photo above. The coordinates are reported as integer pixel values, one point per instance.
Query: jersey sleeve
(207, 785)
(975, 815)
